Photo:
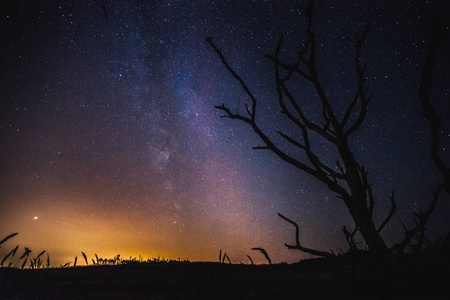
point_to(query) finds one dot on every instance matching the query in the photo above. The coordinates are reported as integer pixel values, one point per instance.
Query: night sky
(110, 142)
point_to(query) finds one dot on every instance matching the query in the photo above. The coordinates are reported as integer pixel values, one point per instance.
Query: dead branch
(103, 7)
(360, 94)
(367, 187)
(263, 251)
(297, 241)
(349, 237)
(425, 86)
(421, 219)
(320, 171)
(251, 111)
(391, 213)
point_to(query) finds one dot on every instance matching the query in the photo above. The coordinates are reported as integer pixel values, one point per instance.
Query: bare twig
(421, 219)
(103, 7)
(349, 238)
(391, 213)
(367, 187)
(320, 170)
(360, 94)
(298, 246)
(251, 111)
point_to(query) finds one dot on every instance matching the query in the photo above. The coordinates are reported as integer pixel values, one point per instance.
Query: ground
(310, 279)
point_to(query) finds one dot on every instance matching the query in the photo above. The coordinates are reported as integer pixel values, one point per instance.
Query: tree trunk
(357, 203)
(370, 234)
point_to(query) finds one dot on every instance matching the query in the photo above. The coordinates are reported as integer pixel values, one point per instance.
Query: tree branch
(301, 248)
(349, 237)
(103, 7)
(229, 114)
(420, 221)
(367, 187)
(327, 110)
(291, 140)
(303, 123)
(391, 213)
(425, 85)
(360, 94)
(251, 111)
(324, 131)
(318, 172)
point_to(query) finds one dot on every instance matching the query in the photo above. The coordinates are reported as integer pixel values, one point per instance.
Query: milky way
(109, 135)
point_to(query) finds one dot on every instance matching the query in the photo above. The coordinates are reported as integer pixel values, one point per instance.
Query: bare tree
(348, 179)
(425, 86)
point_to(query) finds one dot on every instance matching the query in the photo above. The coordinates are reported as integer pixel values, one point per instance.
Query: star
(110, 124)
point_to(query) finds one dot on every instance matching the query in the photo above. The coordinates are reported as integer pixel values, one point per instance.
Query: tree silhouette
(425, 86)
(348, 179)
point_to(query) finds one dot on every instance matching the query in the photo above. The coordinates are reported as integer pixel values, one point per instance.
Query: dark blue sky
(108, 132)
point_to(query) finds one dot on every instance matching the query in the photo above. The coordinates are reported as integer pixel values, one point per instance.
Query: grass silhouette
(424, 274)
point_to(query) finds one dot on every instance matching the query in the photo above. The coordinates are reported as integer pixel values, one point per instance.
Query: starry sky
(110, 142)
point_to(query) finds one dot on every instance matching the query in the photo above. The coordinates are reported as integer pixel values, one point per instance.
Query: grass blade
(85, 258)
(8, 237)
(15, 250)
(40, 254)
(12, 252)
(24, 262)
(226, 256)
(75, 263)
(26, 253)
(263, 251)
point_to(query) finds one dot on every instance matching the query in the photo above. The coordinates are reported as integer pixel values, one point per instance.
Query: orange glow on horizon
(66, 226)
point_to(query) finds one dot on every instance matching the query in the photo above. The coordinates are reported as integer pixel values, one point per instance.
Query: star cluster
(110, 142)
